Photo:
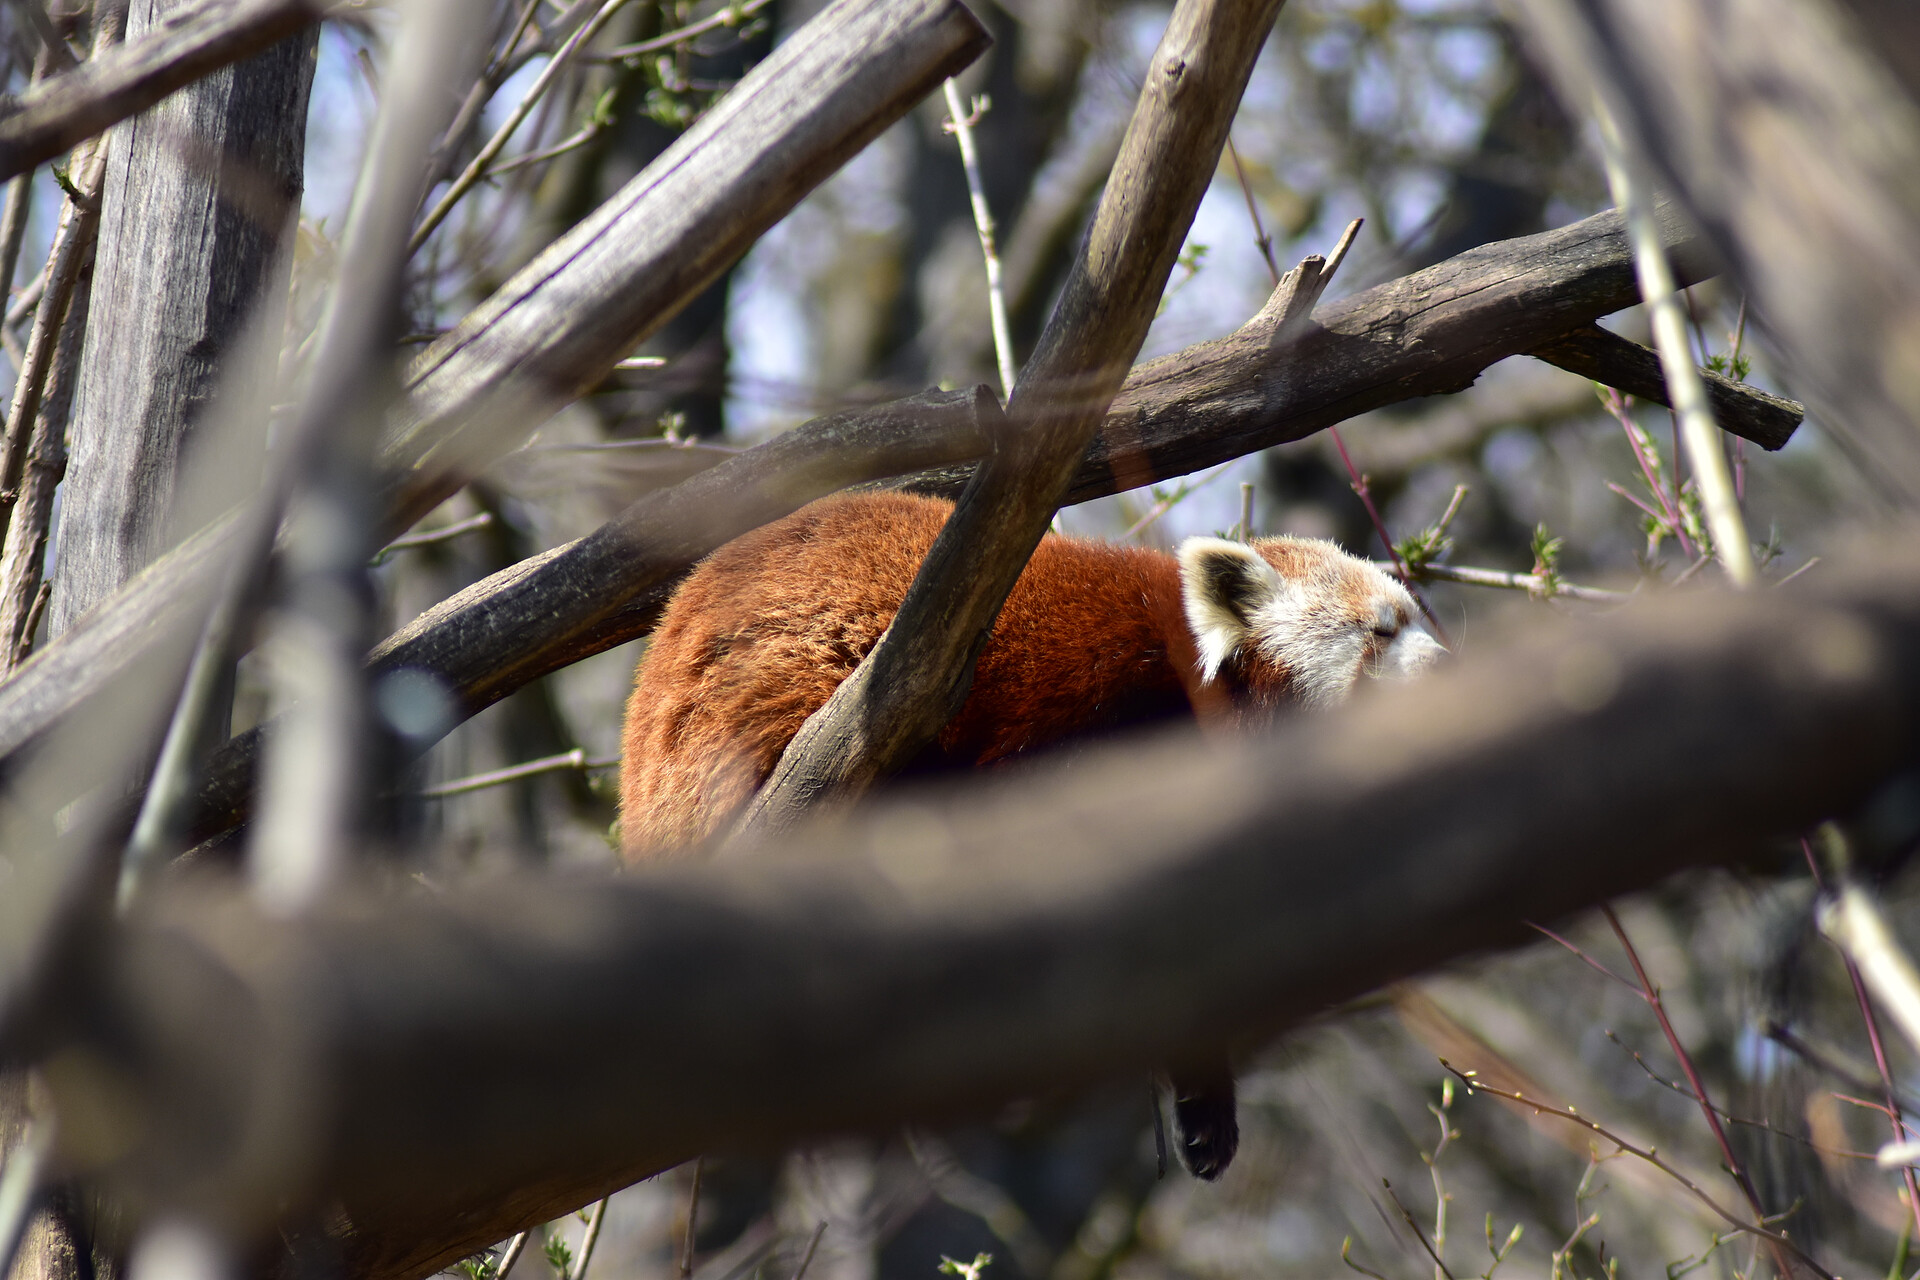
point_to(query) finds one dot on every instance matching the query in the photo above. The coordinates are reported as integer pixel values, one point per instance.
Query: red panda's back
(767, 627)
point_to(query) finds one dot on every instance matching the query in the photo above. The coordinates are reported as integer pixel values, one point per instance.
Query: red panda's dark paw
(1205, 1122)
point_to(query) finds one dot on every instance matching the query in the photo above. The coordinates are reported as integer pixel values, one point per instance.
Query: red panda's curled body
(1093, 637)
(766, 628)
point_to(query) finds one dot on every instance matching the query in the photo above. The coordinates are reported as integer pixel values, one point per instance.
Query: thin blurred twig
(1684, 386)
(477, 167)
(1758, 1229)
(588, 1241)
(574, 759)
(960, 124)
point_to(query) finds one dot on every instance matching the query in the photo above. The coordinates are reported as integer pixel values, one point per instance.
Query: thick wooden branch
(1429, 332)
(441, 1070)
(192, 41)
(914, 680)
(569, 316)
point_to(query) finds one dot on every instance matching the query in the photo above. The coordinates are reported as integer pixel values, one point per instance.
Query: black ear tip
(1228, 579)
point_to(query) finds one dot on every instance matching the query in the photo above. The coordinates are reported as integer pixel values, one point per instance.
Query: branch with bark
(936, 958)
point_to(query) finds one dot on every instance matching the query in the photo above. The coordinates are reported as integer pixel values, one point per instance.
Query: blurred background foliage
(1428, 120)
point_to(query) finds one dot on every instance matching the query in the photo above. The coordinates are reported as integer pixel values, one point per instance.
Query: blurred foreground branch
(394, 1059)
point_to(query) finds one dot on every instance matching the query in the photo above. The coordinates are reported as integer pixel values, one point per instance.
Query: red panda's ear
(1222, 586)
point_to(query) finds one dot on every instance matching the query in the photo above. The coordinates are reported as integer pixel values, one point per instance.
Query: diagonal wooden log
(565, 319)
(192, 41)
(1430, 332)
(940, 956)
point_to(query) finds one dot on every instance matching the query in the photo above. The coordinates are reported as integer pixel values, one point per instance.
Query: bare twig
(1651, 994)
(510, 1255)
(316, 777)
(433, 537)
(813, 1242)
(23, 594)
(1873, 957)
(1261, 239)
(477, 167)
(1647, 1154)
(729, 16)
(13, 219)
(587, 1241)
(960, 124)
(574, 759)
(1406, 1215)
(72, 252)
(24, 648)
(1836, 843)
(693, 1217)
(1684, 386)
(573, 142)
(1531, 583)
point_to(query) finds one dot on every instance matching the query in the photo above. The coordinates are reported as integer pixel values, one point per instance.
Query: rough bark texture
(395, 1056)
(917, 676)
(193, 40)
(1792, 130)
(200, 193)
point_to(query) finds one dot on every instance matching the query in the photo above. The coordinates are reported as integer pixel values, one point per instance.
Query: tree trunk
(199, 196)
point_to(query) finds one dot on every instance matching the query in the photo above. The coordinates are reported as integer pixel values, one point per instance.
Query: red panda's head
(1297, 620)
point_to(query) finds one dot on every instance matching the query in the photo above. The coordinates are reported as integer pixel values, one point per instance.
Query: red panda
(1093, 638)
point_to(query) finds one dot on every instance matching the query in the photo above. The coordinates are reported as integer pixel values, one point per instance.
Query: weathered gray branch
(394, 1057)
(1429, 332)
(23, 593)
(1593, 352)
(568, 317)
(192, 41)
(200, 193)
(914, 680)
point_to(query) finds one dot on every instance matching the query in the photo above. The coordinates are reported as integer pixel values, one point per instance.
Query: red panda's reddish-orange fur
(1093, 637)
(766, 628)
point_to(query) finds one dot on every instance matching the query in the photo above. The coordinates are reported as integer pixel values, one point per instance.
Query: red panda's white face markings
(1300, 615)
